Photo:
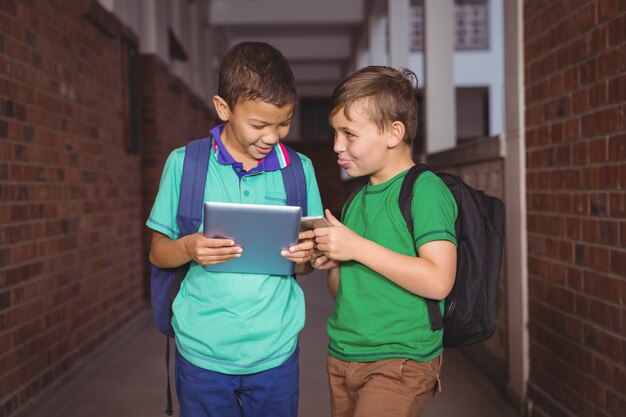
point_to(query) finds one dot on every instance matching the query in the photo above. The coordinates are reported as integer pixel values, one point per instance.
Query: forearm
(416, 274)
(168, 253)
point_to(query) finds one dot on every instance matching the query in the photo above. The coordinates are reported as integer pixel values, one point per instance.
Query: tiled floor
(126, 378)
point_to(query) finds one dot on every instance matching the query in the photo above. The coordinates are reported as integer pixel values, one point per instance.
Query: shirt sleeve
(163, 214)
(434, 211)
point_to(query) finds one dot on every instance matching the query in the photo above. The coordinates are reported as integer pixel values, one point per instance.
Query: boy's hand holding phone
(313, 222)
(337, 242)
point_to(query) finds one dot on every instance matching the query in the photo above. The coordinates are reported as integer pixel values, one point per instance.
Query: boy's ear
(396, 134)
(221, 108)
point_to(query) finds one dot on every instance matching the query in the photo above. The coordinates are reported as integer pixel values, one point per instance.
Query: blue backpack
(165, 282)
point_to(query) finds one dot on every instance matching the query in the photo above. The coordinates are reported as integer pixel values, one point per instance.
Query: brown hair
(256, 71)
(391, 96)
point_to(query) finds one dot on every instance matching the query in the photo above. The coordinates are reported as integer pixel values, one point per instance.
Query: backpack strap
(192, 183)
(295, 181)
(406, 193)
(188, 219)
(353, 194)
(404, 200)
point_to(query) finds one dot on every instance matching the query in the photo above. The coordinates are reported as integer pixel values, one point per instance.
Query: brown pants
(390, 388)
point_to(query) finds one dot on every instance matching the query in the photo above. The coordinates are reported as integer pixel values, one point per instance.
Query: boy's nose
(271, 139)
(271, 136)
(338, 146)
(275, 134)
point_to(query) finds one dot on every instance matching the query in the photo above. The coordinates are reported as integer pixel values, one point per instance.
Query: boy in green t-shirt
(384, 359)
(237, 334)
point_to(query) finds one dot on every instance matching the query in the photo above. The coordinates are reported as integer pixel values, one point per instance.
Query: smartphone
(313, 222)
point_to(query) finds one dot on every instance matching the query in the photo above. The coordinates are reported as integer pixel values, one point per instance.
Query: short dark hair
(256, 71)
(391, 96)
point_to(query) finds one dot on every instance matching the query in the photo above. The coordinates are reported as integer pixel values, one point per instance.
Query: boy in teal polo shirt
(237, 334)
(384, 359)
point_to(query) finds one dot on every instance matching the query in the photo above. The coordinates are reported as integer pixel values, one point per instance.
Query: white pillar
(440, 114)
(377, 35)
(399, 33)
(154, 25)
(515, 201)
(360, 53)
(179, 24)
(149, 39)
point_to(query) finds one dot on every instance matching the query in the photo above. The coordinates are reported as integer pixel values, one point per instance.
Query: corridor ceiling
(316, 36)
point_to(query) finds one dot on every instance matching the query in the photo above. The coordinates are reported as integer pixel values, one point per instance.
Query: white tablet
(261, 230)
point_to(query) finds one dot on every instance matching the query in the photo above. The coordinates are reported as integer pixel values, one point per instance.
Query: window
(471, 25)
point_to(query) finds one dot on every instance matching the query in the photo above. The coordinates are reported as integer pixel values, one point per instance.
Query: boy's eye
(258, 127)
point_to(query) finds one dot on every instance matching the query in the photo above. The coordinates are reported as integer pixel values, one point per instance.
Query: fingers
(209, 251)
(212, 260)
(211, 256)
(217, 243)
(307, 234)
(323, 262)
(300, 253)
(298, 257)
(304, 245)
(220, 252)
(332, 219)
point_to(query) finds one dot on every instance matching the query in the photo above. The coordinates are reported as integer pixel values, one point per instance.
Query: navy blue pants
(204, 393)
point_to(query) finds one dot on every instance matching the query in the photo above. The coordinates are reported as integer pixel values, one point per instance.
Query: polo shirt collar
(278, 157)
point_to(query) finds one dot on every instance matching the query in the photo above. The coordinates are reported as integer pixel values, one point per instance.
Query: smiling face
(362, 149)
(252, 128)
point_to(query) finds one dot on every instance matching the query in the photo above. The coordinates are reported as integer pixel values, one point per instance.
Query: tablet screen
(261, 230)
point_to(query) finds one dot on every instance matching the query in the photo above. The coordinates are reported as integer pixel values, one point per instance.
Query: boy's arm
(431, 275)
(168, 253)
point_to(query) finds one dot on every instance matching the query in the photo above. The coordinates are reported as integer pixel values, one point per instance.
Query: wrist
(361, 254)
(183, 245)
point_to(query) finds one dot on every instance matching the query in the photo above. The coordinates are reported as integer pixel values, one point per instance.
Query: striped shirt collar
(278, 158)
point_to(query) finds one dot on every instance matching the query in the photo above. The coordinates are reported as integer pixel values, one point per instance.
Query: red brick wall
(72, 204)
(70, 232)
(575, 75)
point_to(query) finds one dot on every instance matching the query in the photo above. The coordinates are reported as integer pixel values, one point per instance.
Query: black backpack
(471, 308)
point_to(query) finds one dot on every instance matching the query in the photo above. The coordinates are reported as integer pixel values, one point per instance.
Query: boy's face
(360, 146)
(252, 128)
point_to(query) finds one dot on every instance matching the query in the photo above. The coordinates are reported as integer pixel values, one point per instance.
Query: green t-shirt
(375, 319)
(226, 322)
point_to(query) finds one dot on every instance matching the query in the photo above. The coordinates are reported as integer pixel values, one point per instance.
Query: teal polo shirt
(227, 322)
